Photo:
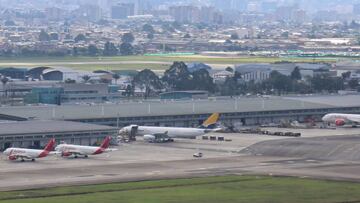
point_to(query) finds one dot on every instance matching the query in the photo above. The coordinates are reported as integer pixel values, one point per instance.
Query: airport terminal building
(108, 118)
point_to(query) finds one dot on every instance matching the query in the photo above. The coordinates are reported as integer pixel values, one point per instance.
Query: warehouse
(36, 133)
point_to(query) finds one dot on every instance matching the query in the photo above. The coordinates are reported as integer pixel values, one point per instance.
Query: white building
(257, 76)
(220, 77)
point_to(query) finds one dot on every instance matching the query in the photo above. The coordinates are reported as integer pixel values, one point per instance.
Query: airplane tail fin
(105, 144)
(48, 148)
(50, 145)
(212, 120)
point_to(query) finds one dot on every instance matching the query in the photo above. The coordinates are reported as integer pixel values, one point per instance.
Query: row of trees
(178, 77)
(110, 49)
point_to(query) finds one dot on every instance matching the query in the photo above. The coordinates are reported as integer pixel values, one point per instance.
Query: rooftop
(163, 108)
(47, 126)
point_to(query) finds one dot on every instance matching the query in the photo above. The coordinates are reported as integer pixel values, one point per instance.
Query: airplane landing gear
(32, 160)
(22, 160)
(86, 156)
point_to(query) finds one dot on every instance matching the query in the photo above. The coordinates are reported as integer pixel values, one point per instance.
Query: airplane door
(133, 132)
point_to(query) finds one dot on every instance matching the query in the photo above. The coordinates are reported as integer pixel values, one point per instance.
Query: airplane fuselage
(28, 153)
(78, 149)
(172, 132)
(341, 119)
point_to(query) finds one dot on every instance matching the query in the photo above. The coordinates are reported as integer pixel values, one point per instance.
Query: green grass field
(133, 62)
(210, 190)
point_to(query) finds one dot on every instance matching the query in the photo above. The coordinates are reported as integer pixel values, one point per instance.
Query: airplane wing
(354, 119)
(71, 152)
(55, 153)
(110, 150)
(161, 135)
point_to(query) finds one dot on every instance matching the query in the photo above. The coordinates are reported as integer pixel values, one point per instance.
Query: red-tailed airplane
(31, 154)
(67, 150)
(340, 119)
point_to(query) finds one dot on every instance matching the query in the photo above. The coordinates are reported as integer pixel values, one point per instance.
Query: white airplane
(31, 154)
(166, 134)
(67, 150)
(340, 119)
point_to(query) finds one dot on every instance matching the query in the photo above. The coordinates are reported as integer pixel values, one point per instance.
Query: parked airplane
(31, 154)
(166, 134)
(67, 150)
(340, 119)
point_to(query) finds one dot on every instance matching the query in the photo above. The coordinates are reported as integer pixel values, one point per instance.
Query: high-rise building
(356, 9)
(209, 14)
(185, 14)
(299, 16)
(268, 6)
(284, 13)
(89, 12)
(53, 13)
(122, 10)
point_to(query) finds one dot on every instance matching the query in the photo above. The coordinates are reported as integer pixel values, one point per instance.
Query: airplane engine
(65, 154)
(149, 138)
(12, 158)
(339, 122)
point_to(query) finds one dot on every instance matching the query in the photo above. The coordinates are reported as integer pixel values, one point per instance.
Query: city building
(73, 93)
(254, 72)
(122, 10)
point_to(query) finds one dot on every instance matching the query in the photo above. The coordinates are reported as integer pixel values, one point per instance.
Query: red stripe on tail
(106, 143)
(49, 147)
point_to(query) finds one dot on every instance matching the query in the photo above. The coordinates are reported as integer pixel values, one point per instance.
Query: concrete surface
(146, 161)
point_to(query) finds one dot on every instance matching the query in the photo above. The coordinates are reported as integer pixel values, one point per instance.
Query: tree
(234, 36)
(92, 50)
(54, 36)
(203, 81)
(229, 69)
(129, 91)
(295, 74)
(9, 23)
(280, 82)
(178, 77)
(148, 80)
(150, 36)
(126, 49)
(346, 75)
(285, 34)
(44, 36)
(116, 77)
(110, 49)
(70, 81)
(75, 51)
(4, 81)
(326, 83)
(228, 41)
(148, 28)
(229, 87)
(353, 84)
(187, 36)
(86, 78)
(79, 38)
(105, 81)
(128, 38)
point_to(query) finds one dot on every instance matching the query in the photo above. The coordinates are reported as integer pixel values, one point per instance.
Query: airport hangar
(189, 113)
